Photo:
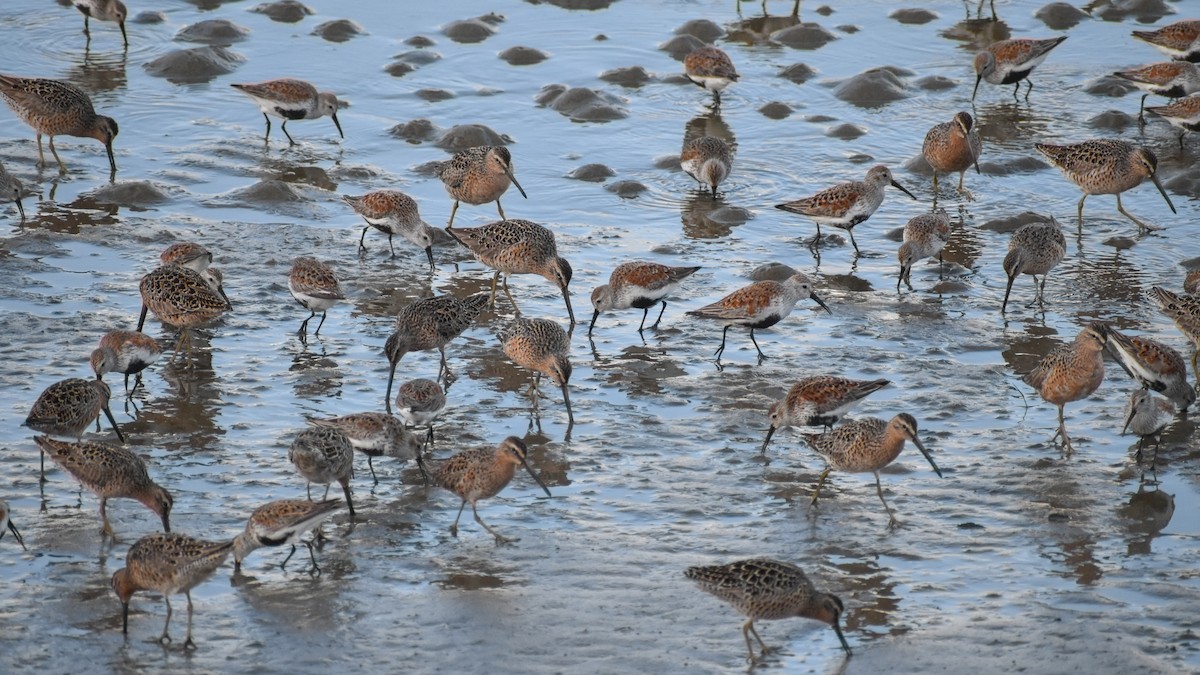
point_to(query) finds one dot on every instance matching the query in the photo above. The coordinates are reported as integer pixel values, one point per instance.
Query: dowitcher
(183, 298)
(127, 352)
(57, 108)
(1010, 61)
(169, 564)
(112, 472)
(924, 237)
(1035, 248)
(639, 284)
(290, 99)
(11, 188)
(392, 212)
(867, 444)
(6, 523)
(313, 284)
(187, 254)
(1153, 365)
(1070, 373)
(420, 402)
(1183, 114)
(517, 247)
(818, 401)
(953, 146)
(762, 304)
(711, 68)
(846, 204)
(477, 176)
(768, 589)
(1179, 40)
(708, 160)
(280, 523)
(1173, 79)
(1106, 166)
(376, 434)
(323, 455)
(482, 474)
(1146, 415)
(426, 324)
(542, 346)
(68, 407)
(103, 10)
(1184, 310)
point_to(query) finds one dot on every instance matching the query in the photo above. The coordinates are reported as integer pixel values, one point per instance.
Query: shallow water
(1019, 558)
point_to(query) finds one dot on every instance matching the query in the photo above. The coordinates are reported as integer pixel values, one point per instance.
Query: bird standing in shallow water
(313, 284)
(543, 347)
(1070, 373)
(280, 523)
(1179, 40)
(477, 176)
(393, 212)
(1184, 310)
(1106, 166)
(1152, 364)
(183, 298)
(127, 352)
(57, 108)
(1035, 248)
(638, 284)
(867, 444)
(768, 589)
(323, 455)
(762, 304)
(169, 564)
(708, 160)
(1173, 79)
(420, 402)
(430, 323)
(818, 401)
(953, 146)
(6, 523)
(290, 99)
(1146, 415)
(1183, 114)
(68, 407)
(482, 474)
(846, 204)
(1010, 61)
(103, 10)
(11, 188)
(187, 254)
(924, 237)
(376, 434)
(711, 68)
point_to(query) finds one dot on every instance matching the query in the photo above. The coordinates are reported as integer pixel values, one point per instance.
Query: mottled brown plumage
(314, 285)
(57, 108)
(638, 284)
(762, 304)
(183, 298)
(1035, 248)
(324, 455)
(1010, 61)
(430, 323)
(1179, 40)
(1106, 166)
(1152, 364)
(818, 401)
(708, 159)
(1173, 79)
(1072, 372)
(477, 176)
(280, 523)
(1184, 310)
(924, 237)
(127, 352)
(846, 205)
(711, 68)
(291, 99)
(482, 474)
(187, 254)
(376, 434)
(421, 402)
(542, 346)
(953, 146)
(393, 212)
(1183, 114)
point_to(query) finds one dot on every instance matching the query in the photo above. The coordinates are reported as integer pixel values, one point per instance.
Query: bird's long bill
(567, 401)
(903, 189)
(509, 173)
(112, 162)
(903, 269)
(13, 528)
(820, 302)
(113, 422)
(166, 518)
(1007, 290)
(535, 477)
(567, 299)
(221, 291)
(978, 79)
(595, 315)
(920, 446)
(974, 157)
(125, 618)
(387, 398)
(1128, 419)
(770, 433)
(21, 208)
(142, 317)
(845, 645)
(338, 124)
(124, 37)
(1161, 191)
(429, 254)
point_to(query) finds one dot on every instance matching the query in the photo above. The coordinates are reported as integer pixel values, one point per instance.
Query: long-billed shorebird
(282, 523)
(11, 188)
(168, 564)
(1183, 114)
(924, 237)
(818, 401)
(430, 323)
(68, 407)
(420, 402)
(314, 285)
(708, 160)
(291, 99)
(1146, 415)
(1010, 61)
(376, 434)
(1184, 310)
(127, 352)
(1035, 248)
(392, 212)
(711, 68)
(517, 247)
(1152, 364)
(103, 10)
(847, 204)
(183, 298)
(1072, 372)
(324, 455)
(542, 346)
(482, 474)
(1179, 40)
(1173, 79)
(477, 176)
(764, 589)
(762, 304)
(1106, 166)
(56, 108)
(639, 284)
(953, 146)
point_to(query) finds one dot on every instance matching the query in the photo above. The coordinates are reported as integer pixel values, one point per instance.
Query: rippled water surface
(1020, 558)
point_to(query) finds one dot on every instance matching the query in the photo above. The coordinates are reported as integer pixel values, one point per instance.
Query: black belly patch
(767, 322)
(1174, 92)
(1015, 76)
(290, 113)
(856, 220)
(273, 541)
(643, 303)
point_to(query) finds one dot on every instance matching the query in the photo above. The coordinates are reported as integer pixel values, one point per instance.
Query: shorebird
(127, 352)
(641, 285)
(708, 160)
(542, 346)
(1010, 61)
(57, 108)
(710, 68)
(169, 564)
(392, 212)
(324, 455)
(924, 237)
(183, 298)
(420, 402)
(1183, 114)
(6, 523)
(187, 254)
(1179, 40)
(846, 204)
(1035, 248)
(818, 401)
(1173, 79)
(953, 146)
(68, 407)
(282, 523)
(376, 434)
(11, 188)
(482, 474)
(1072, 372)
(103, 10)
(517, 247)
(1184, 310)
(1152, 364)
(477, 176)
(290, 99)
(426, 324)
(313, 284)
(112, 472)
(762, 304)
(768, 589)
(1106, 167)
